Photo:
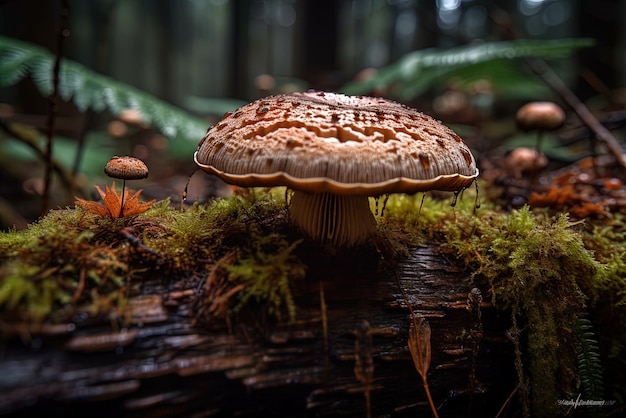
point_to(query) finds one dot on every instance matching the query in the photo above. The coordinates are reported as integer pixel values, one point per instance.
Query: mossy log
(163, 364)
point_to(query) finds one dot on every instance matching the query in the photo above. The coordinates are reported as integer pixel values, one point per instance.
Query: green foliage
(87, 89)
(589, 365)
(417, 71)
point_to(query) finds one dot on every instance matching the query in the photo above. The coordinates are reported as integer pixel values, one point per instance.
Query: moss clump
(608, 315)
(265, 276)
(74, 261)
(52, 267)
(546, 272)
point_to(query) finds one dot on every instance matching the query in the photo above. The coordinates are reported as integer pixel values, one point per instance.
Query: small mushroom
(523, 161)
(334, 151)
(540, 116)
(125, 168)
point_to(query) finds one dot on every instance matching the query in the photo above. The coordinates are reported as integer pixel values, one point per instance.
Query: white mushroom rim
(448, 182)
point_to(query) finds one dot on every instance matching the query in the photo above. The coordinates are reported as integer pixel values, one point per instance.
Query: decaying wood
(159, 363)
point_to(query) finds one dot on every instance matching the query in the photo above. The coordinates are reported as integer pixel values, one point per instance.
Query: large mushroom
(334, 151)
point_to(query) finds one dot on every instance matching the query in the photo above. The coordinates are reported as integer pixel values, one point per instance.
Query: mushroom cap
(543, 116)
(331, 143)
(126, 168)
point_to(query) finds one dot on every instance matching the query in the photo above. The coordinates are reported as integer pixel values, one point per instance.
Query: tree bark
(349, 340)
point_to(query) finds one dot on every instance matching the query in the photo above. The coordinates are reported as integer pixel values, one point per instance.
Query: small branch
(546, 73)
(507, 401)
(56, 166)
(64, 32)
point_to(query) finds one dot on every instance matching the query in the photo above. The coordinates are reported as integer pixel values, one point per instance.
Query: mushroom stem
(338, 220)
(123, 194)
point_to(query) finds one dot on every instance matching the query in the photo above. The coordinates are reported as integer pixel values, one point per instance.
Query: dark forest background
(210, 56)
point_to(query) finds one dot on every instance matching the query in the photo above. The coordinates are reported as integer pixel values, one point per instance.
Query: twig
(65, 175)
(513, 334)
(507, 401)
(64, 32)
(80, 287)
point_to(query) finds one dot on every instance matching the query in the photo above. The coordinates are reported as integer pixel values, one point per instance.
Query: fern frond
(589, 365)
(413, 73)
(90, 90)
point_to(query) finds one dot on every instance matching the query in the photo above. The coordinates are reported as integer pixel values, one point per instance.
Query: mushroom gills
(334, 219)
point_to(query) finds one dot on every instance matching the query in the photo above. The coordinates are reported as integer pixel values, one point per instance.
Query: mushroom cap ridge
(328, 142)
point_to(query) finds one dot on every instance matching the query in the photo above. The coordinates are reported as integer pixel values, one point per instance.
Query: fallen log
(345, 354)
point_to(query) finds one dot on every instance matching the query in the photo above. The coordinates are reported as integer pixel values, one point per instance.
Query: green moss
(72, 260)
(266, 275)
(45, 268)
(608, 314)
(547, 272)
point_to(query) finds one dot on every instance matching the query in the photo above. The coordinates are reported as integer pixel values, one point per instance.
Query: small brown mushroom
(125, 168)
(334, 151)
(524, 161)
(540, 116)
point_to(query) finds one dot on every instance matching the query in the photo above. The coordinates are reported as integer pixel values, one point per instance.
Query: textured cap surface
(126, 168)
(328, 142)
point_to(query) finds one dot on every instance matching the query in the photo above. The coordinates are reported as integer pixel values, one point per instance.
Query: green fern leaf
(90, 90)
(589, 363)
(13, 67)
(412, 74)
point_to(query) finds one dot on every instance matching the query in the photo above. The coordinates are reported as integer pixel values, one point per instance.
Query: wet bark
(163, 364)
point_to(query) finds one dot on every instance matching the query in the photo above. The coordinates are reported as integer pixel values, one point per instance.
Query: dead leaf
(419, 345)
(112, 206)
